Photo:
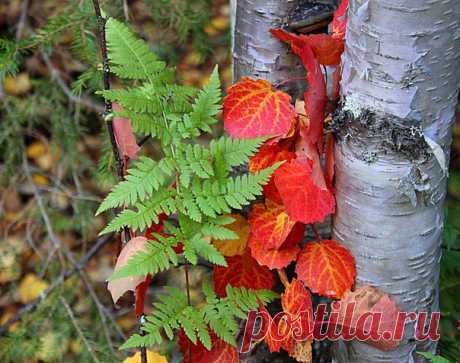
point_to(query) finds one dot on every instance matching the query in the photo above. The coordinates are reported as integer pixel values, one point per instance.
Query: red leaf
(315, 96)
(274, 345)
(296, 302)
(307, 152)
(270, 223)
(272, 258)
(266, 157)
(242, 271)
(305, 202)
(296, 299)
(327, 49)
(220, 352)
(327, 268)
(124, 134)
(141, 292)
(339, 23)
(296, 236)
(330, 161)
(367, 299)
(253, 109)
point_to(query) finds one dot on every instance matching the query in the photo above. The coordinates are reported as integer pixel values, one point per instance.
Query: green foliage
(158, 256)
(434, 358)
(187, 17)
(191, 181)
(173, 312)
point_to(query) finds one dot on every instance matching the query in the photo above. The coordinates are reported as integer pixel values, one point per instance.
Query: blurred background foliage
(55, 166)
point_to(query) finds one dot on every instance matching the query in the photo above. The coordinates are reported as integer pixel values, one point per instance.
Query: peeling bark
(399, 91)
(255, 52)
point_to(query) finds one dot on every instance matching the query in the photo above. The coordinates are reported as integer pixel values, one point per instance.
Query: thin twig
(49, 228)
(60, 82)
(78, 329)
(315, 232)
(22, 19)
(126, 10)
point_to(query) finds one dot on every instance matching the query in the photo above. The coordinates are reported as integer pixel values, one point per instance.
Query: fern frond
(157, 257)
(198, 245)
(129, 55)
(173, 312)
(235, 151)
(146, 177)
(163, 201)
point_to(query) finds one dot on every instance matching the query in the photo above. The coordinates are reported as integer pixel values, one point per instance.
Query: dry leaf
(119, 286)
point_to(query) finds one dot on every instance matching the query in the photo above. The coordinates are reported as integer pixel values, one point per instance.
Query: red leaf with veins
(252, 109)
(221, 352)
(326, 268)
(242, 271)
(124, 134)
(366, 300)
(272, 258)
(270, 223)
(304, 201)
(268, 155)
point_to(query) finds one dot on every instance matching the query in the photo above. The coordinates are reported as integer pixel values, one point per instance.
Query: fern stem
(106, 77)
(120, 163)
(187, 285)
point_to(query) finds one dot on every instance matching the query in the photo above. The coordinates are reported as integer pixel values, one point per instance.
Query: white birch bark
(401, 63)
(256, 53)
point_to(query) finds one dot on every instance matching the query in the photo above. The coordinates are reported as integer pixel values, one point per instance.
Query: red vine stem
(289, 80)
(120, 163)
(315, 232)
(283, 277)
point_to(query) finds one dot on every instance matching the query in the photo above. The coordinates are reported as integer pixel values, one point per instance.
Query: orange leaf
(119, 286)
(327, 268)
(270, 223)
(242, 271)
(272, 258)
(232, 247)
(305, 202)
(253, 109)
(296, 299)
(369, 300)
(124, 134)
(220, 352)
(268, 155)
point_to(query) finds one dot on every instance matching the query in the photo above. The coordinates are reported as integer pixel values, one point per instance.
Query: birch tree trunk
(255, 52)
(399, 90)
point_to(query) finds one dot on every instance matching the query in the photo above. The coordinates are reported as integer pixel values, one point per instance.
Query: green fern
(146, 177)
(158, 257)
(220, 315)
(130, 57)
(190, 180)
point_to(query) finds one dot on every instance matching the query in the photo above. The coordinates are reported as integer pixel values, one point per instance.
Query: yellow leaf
(36, 149)
(30, 288)
(18, 85)
(232, 247)
(220, 22)
(152, 357)
(40, 179)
